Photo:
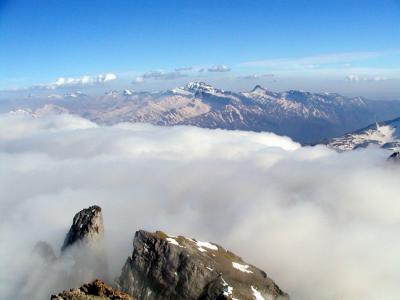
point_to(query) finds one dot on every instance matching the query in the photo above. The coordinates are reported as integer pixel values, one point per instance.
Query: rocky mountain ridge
(305, 117)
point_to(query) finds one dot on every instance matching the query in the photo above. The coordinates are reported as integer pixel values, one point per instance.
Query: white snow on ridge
(172, 241)
(228, 290)
(202, 245)
(242, 268)
(380, 135)
(257, 294)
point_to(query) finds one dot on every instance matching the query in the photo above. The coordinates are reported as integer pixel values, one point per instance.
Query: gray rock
(87, 228)
(83, 245)
(167, 267)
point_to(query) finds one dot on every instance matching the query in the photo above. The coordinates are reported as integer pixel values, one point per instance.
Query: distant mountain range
(383, 134)
(305, 117)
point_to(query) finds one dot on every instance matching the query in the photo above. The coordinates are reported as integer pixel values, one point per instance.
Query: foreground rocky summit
(97, 290)
(160, 267)
(169, 267)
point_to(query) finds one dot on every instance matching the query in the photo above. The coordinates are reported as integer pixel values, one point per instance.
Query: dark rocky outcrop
(168, 267)
(395, 157)
(82, 259)
(84, 244)
(97, 290)
(87, 227)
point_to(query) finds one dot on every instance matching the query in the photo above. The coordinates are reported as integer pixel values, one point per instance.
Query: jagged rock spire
(87, 227)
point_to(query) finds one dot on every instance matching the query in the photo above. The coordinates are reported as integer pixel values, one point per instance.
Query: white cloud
(79, 81)
(218, 68)
(323, 225)
(107, 77)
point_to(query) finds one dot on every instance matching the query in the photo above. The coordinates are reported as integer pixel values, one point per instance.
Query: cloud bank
(323, 225)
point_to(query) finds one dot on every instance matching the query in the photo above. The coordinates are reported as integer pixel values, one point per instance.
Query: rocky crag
(87, 228)
(82, 257)
(168, 267)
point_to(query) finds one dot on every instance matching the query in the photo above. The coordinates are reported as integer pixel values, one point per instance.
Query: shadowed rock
(87, 228)
(395, 157)
(97, 290)
(83, 244)
(45, 251)
(168, 267)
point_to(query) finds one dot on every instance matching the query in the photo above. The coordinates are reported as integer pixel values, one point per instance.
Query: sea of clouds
(323, 225)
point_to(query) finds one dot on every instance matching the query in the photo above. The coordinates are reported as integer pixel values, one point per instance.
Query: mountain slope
(305, 117)
(384, 134)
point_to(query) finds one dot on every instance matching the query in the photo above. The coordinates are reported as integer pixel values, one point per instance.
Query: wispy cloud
(183, 69)
(158, 75)
(219, 68)
(315, 61)
(353, 77)
(255, 76)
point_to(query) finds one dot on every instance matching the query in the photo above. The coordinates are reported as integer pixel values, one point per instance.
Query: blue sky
(344, 44)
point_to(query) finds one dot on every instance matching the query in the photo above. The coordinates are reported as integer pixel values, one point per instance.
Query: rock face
(87, 228)
(168, 267)
(84, 244)
(97, 290)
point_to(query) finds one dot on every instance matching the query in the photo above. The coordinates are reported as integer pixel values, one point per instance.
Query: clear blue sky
(41, 40)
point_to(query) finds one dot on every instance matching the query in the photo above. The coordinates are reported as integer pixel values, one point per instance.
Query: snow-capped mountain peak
(198, 86)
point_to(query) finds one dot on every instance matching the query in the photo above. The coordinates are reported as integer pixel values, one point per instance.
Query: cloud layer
(323, 225)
